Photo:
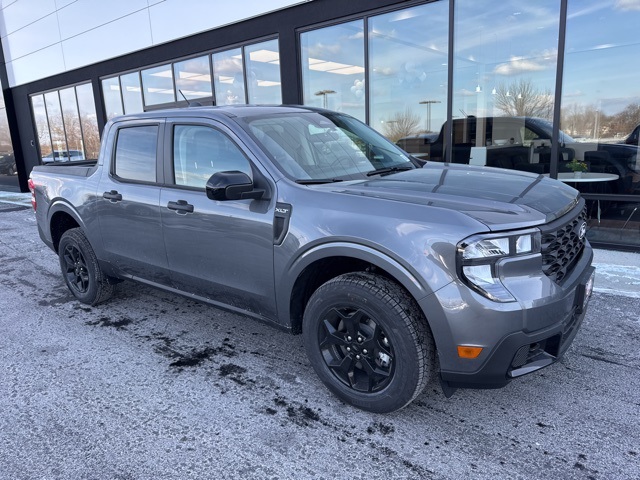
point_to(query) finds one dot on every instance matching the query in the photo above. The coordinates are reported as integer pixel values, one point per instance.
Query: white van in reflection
(63, 156)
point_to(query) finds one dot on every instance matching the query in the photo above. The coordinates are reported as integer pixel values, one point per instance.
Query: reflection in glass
(228, 77)
(131, 93)
(7, 159)
(408, 70)
(263, 73)
(42, 126)
(193, 78)
(72, 121)
(158, 85)
(111, 97)
(505, 66)
(135, 157)
(56, 125)
(88, 120)
(333, 68)
(601, 110)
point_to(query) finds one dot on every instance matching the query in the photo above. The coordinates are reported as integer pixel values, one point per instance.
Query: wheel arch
(324, 262)
(62, 217)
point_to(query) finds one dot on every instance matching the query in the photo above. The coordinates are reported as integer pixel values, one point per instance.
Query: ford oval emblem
(583, 230)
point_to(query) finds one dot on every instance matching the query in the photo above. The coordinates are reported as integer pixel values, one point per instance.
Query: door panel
(221, 250)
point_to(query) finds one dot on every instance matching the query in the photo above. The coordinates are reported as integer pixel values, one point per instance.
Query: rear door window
(135, 156)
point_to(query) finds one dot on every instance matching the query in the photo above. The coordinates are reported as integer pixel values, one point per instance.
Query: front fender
(404, 274)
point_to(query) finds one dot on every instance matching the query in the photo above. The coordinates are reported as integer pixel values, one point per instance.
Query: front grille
(562, 245)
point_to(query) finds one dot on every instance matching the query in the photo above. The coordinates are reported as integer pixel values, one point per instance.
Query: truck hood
(500, 199)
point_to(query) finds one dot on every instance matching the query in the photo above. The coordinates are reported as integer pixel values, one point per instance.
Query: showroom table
(570, 177)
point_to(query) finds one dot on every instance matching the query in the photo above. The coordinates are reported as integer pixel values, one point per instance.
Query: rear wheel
(81, 270)
(368, 341)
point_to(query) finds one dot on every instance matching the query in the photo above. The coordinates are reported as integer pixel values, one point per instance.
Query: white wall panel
(125, 35)
(85, 15)
(36, 36)
(21, 13)
(89, 31)
(173, 19)
(40, 64)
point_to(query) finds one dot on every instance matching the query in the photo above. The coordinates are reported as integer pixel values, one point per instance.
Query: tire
(80, 269)
(368, 342)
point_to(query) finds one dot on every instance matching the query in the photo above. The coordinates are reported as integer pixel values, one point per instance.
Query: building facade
(465, 81)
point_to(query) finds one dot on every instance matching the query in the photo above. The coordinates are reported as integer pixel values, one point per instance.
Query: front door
(220, 250)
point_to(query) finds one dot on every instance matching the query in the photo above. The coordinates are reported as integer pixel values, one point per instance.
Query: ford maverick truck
(395, 275)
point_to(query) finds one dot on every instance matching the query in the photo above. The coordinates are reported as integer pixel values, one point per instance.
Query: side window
(199, 152)
(528, 136)
(136, 153)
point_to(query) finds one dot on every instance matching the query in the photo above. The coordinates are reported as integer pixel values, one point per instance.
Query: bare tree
(401, 124)
(522, 98)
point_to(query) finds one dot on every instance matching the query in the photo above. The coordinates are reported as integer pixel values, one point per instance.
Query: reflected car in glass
(63, 156)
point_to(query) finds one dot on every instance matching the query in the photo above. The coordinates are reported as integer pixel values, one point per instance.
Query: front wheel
(368, 342)
(81, 270)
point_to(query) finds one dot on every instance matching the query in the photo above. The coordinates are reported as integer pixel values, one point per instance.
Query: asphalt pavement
(152, 385)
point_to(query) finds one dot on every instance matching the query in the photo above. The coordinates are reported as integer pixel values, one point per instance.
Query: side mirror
(233, 185)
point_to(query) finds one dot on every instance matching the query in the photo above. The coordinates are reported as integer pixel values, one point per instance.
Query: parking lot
(152, 385)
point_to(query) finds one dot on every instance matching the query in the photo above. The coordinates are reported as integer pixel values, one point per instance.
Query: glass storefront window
(56, 125)
(71, 120)
(131, 93)
(88, 120)
(263, 73)
(193, 78)
(42, 125)
(112, 98)
(601, 111)
(158, 85)
(408, 70)
(505, 66)
(8, 165)
(228, 77)
(333, 68)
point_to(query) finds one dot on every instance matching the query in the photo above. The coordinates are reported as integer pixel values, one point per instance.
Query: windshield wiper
(318, 181)
(386, 170)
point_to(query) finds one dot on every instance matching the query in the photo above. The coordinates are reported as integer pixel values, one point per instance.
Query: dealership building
(446, 79)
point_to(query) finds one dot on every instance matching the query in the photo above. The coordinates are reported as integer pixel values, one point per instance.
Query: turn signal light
(32, 188)
(465, 351)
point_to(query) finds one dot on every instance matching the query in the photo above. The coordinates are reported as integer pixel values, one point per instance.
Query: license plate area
(584, 291)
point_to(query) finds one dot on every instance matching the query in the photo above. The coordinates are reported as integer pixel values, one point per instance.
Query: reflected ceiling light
(267, 83)
(194, 93)
(265, 56)
(478, 89)
(160, 90)
(225, 79)
(334, 67)
(196, 77)
(494, 91)
(132, 89)
(163, 73)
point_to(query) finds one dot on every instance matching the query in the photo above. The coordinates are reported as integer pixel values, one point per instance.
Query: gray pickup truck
(308, 219)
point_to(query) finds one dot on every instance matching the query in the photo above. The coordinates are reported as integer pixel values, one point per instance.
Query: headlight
(478, 255)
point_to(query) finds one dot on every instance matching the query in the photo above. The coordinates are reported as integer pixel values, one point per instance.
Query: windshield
(311, 146)
(547, 128)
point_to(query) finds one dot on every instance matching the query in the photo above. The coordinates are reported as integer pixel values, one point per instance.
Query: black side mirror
(233, 185)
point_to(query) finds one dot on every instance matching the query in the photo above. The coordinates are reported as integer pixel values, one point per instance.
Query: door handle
(181, 207)
(113, 196)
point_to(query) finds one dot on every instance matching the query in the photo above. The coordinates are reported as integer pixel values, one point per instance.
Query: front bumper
(517, 338)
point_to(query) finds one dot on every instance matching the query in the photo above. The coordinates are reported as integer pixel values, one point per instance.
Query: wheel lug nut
(349, 338)
(365, 351)
(359, 339)
(348, 349)
(358, 357)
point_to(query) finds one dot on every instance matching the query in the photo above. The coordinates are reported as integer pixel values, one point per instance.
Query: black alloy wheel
(368, 341)
(356, 349)
(75, 271)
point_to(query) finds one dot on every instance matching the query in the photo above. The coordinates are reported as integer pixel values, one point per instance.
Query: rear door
(220, 250)
(129, 201)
